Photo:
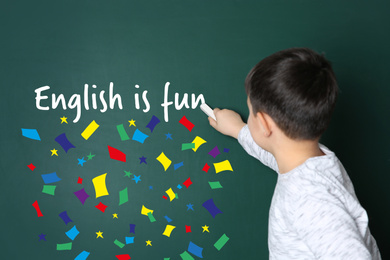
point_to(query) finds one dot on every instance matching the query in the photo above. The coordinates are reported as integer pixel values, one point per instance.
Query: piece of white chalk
(208, 111)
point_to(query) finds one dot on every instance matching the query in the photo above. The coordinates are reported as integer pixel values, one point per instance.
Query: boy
(314, 213)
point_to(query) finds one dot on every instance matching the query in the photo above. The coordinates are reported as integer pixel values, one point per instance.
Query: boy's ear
(265, 123)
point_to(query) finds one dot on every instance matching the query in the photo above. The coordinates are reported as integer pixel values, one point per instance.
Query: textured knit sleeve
(329, 230)
(249, 145)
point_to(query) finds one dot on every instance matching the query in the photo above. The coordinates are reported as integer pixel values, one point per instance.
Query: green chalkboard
(111, 62)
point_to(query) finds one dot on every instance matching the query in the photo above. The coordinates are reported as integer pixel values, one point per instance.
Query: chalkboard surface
(139, 70)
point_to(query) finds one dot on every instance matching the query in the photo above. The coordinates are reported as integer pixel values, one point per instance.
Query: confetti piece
(123, 196)
(42, 237)
(50, 178)
(171, 194)
(187, 146)
(187, 183)
(122, 132)
(31, 166)
(163, 159)
(82, 256)
(188, 229)
(81, 195)
(184, 121)
(64, 142)
(143, 160)
(38, 210)
(168, 219)
(101, 207)
(215, 185)
(221, 242)
(226, 150)
(115, 154)
(49, 189)
(223, 166)
(145, 211)
(31, 133)
(178, 165)
(80, 180)
(129, 240)
(72, 233)
(186, 256)
(179, 186)
(198, 141)
(195, 250)
(210, 206)
(64, 216)
(139, 136)
(148, 243)
(91, 128)
(123, 257)
(206, 168)
(164, 197)
(119, 243)
(132, 228)
(168, 230)
(190, 206)
(66, 246)
(99, 183)
(153, 122)
(151, 217)
(214, 152)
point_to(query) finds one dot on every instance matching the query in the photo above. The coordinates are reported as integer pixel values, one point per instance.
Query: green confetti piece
(215, 185)
(187, 146)
(151, 217)
(66, 246)
(123, 196)
(122, 132)
(167, 258)
(186, 256)
(221, 242)
(119, 243)
(49, 189)
(176, 196)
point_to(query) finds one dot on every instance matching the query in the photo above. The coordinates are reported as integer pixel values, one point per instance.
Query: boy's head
(297, 88)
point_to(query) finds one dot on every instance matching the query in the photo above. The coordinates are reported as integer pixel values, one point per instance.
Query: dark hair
(297, 88)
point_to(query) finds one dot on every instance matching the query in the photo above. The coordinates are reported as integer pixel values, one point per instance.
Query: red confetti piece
(101, 207)
(206, 168)
(123, 257)
(115, 154)
(184, 121)
(187, 183)
(36, 206)
(188, 229)
(31, 166)
(80, 180)
(165, 197)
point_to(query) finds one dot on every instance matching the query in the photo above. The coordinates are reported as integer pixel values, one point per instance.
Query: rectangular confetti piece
(215, 185)
(123, 196)
(49, 189)
(221, 242)
(91, 128)
(186, 256)
(187, 146)
(151, 217)
(119, 243)
(122, 132)
(66, 246)
(223, 166)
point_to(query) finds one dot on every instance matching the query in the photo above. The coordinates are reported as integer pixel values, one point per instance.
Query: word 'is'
(75, 101)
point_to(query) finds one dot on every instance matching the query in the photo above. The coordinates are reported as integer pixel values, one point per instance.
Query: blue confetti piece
(31, 133)
(226, 150)
(168, 219)
(178, 165)
(129, 240)
(64, 142)
(50, 178)
(82, 256)
(139, 136)
(72, 233)
(153, 122)
(179, 187)
(195, 250)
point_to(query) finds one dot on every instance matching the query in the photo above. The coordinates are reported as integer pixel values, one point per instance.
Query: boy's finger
(212, 122)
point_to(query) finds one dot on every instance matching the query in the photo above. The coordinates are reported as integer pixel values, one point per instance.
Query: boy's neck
(289, 153)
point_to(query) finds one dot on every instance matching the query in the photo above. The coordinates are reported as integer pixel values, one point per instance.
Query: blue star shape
(189, 206)
(169, 136)
(143, 160)
(137, 178)
(81, 161)
(42, 237)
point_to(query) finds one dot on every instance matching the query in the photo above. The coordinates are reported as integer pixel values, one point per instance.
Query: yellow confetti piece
(168, 230)
(171, 194)
(223, 166)
(163, 159)
(91, 128)
(198, 141)
(99, 183)
(145, 211)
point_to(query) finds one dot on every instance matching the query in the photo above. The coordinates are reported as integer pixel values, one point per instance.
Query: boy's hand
(228, 122)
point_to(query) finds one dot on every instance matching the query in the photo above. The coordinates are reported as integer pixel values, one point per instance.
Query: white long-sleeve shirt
(314, 213)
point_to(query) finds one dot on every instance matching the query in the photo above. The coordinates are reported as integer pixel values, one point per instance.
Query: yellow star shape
(205, 228)
(148, 243)
(54, 152)
(99, 234)
(115, 215)
(63, 120)
(132, 122)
